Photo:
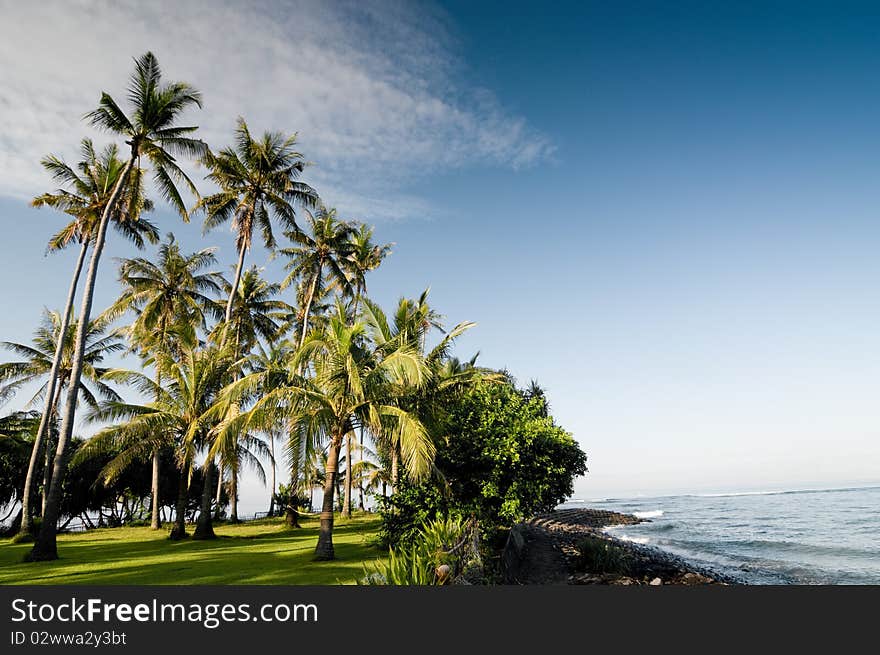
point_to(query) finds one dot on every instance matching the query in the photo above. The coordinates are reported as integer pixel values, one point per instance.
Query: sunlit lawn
(257, 552)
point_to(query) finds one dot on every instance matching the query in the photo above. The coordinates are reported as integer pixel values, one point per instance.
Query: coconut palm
(177, 417)
(85, 192)
(256, 314)
(258, 180)
(38, 359)
(164, 294)
(352, 384)
(319, 309)
(363, 256)
(17, 433)
(37, 365)
(268, 369)
(318, 262)
(151, 133)
(174, 289)
(411, 323)
(363, 469)
(318, 259)
(376, 480)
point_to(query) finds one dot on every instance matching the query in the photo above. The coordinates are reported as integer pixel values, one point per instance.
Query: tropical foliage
(502, 459)
(303, 374)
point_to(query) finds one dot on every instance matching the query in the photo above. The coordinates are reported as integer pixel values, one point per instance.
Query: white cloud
(372, 88)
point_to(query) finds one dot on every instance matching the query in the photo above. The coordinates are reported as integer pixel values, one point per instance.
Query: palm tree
(177, 417)
(17, 433)
(324, 252)
(37, 365)
(258, 178)
(174, 289)
(351, 386)
(151, 132)
(363, 469)
(319, 309)
(266, 370)
(38, 359)
(412, 321)
(256, 314)
(363, 257)
(165, 294)
(87, 192)
(377, 477)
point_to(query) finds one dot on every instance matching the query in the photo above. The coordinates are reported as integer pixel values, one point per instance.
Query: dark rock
(545, 550)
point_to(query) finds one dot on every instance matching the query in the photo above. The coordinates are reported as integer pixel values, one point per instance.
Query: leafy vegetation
(598, 555)
(500, 458)
(305, 376)
(442, 552)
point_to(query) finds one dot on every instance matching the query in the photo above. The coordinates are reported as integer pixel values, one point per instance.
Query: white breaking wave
(634, 540)
(742, 493)
(652, 514)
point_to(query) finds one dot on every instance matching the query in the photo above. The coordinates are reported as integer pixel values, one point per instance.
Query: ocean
(828, 536)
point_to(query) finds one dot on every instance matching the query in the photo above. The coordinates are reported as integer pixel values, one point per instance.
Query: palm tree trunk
(241, 253)
(272, 453)
(324, 548)
(361, 479)
(290, 512)
(51, 398)
(219, 494)
(394, 467)
(46, 548)
(204, 526)
(233, 494)
(155, 523)
(308, 308)
(291, 515)
(346, 505)
(47, 472)
(179, 530)
(49, 460)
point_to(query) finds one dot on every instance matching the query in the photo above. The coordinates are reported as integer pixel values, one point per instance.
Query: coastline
(570, 546)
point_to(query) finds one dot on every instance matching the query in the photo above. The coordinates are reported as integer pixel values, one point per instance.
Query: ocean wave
(783, 492)
(735, 494)
(650, 514)
(633, 540)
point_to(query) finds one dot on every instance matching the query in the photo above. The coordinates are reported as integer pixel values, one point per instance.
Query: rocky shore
(569, 547)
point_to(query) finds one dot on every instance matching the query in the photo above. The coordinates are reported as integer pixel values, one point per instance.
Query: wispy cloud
(373, 89)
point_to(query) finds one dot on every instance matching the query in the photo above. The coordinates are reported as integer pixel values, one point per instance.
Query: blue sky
(666, 213)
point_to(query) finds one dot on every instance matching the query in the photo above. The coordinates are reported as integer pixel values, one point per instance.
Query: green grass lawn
(257, 552)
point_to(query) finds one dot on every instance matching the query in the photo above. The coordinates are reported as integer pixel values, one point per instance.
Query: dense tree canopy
(500, 457)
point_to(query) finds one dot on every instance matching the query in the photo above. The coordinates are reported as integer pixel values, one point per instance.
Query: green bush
(501, 458)
(407, 510)
(438, 554)
(598, 555)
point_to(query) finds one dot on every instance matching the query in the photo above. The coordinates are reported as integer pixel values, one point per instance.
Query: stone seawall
(547, 549)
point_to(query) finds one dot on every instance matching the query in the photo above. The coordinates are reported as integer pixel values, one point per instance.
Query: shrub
(598, 555)
(442, 552)
(501, 458)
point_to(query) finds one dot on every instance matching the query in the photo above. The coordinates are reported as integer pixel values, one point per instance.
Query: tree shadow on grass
(274, 555)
